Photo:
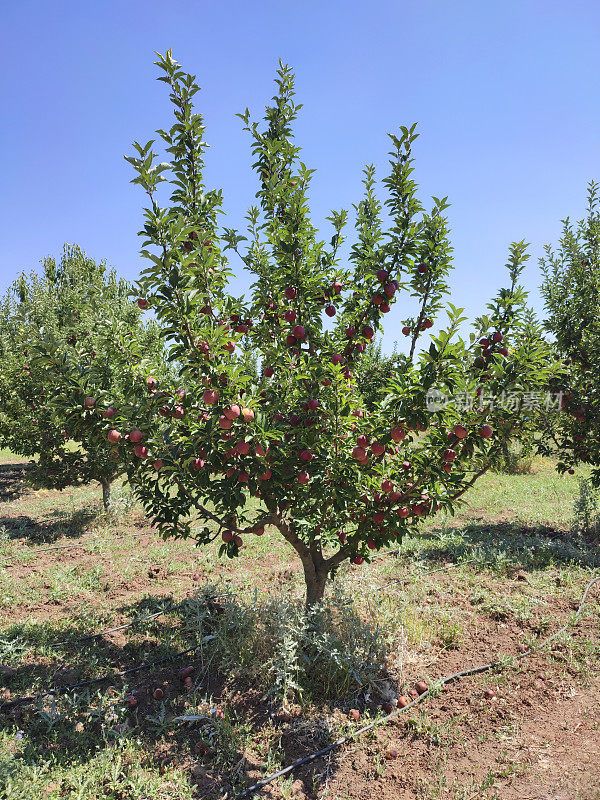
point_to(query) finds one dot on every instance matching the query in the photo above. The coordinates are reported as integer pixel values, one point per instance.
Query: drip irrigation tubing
(138, 620)
(448, 679)
(107, 677)
(75, 544)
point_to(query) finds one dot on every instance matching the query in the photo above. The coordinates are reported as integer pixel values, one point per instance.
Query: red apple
(197, 464)
(406, 330)
(368, 332)
(224, 423)
(158, 464)
(141, 451)
(330, 311)
(299, 332)
(398, 434)
(89, 402)
(486, 432)
(210, 397)
(357, 560)
(422, 268)
(460, 431)
(421, 687)
(497, 337)
(108, 413)
(232, 412)
(290, 293)
(227, 536)
(114, 436)
(377, 449)
(135, 436)
(303, 477)
(142, 303)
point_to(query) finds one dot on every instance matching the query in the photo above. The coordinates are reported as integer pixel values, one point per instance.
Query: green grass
(260, 692)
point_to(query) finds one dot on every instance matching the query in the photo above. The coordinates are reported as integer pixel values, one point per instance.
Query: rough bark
(106, 495)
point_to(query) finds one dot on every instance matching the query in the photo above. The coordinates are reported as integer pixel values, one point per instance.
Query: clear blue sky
(505, 94)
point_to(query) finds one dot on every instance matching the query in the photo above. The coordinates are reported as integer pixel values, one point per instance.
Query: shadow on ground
(509, 546)
(59, 524)
(225, 750)
(13, 481)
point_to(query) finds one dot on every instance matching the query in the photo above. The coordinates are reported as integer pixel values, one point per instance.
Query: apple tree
(81, 317)
(296, 450)
(571, 291)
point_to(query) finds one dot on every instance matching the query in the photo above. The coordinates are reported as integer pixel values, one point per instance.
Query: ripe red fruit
(357, 560)
(243, 477)
(403, 701)
(131, 701)
(268, 372)
(291, 293)
(210, 397)
(406, 465)
(227, 536)
(266, 475)
(89, 402)
(485, 342)
(371, 545)
(497, 337)
(422, 268)
(299, 332)
(224, 423)
(359, 453)
(290, 315)
(232, 412)
(306, 455)
(337, 287)
(486, 432)
(460, 431)
(259, 531)
(389, 289)
(354, 714)
(197, 464)
(428, 324)
(313, 404)
(158, 464)
(151, 383)
(447, 467)
(384, 308)
(114, 436)
(421, 687)
(571, 472)
(185, 672)
(238, 541)
(158, 694)
(489, 694)
(382, 275)
(108, 413)
(303, 477)
(398, 434)
(406, 330)
(243, 448)
(378, 517)
(377, 299)
(449, 455)
(135, 436)
(331, 311)
(377, 449)
(503, 351)
(387, 486)
(368, 332)
(142, 303)
(141, 451)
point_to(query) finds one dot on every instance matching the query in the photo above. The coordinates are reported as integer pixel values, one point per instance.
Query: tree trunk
(315, 579)
(106, 486)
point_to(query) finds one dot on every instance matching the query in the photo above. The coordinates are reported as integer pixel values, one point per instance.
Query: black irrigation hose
(90, 636)
(129, 624)
(108, 676)
(450, 678)
(76, 544)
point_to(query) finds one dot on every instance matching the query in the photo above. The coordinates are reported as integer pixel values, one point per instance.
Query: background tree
(223, 453)
(82, 314)
(571, 291)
